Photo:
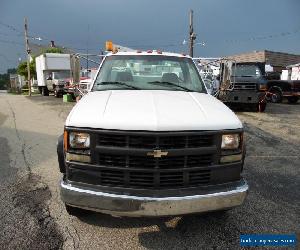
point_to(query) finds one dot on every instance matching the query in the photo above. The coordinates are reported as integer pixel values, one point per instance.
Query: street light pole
(28, 55)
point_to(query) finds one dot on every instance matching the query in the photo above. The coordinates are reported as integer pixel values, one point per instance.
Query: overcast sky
(225, 26)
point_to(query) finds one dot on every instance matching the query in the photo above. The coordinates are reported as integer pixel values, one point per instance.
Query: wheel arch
(275, 87)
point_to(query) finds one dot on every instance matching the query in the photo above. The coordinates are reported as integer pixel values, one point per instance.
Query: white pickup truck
(147, 140)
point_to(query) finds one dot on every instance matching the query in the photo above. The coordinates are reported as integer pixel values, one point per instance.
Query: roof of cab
(148, 53)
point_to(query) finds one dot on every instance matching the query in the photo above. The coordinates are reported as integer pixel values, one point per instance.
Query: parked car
(148, 140)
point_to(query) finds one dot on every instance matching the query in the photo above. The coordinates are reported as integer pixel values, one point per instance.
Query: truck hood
(152, 110)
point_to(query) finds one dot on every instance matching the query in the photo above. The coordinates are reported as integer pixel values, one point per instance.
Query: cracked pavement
(33, 217)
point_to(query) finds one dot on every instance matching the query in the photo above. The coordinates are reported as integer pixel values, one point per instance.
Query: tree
(22, 69)
(53, 50)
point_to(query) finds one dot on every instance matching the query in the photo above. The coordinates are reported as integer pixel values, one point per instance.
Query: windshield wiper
(117, 83)
(170, 84)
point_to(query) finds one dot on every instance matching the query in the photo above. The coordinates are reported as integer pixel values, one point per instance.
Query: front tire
(276, 96)
(293, 99)
(56, 94)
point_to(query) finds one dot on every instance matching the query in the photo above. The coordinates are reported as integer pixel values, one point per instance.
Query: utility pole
(87, 51)
(28, 56)
(192, 35)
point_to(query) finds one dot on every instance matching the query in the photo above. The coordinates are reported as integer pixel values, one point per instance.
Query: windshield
(61, 74)
(148, 72)
(246, 70)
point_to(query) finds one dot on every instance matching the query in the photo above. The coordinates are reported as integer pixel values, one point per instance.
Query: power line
(11, 42)
(255, 38)
(7, 34)
(11, 28)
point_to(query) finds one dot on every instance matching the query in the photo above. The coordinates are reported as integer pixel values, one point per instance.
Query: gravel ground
(33, 217)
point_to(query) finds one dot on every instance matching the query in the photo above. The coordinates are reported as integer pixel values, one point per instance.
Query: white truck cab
(147, 140)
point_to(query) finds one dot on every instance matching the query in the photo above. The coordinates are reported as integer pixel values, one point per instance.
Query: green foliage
(22, 69)
(25, 86)
(53, 50)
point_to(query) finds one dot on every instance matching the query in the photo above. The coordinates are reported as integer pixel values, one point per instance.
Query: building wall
(277, 60)
(280, 59)
(255, 56)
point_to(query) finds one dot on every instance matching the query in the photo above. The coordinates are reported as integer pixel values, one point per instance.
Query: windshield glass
(246, 70)
(148, 72)
(61, 74)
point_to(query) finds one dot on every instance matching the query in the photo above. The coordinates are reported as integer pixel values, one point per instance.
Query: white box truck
(52, 71)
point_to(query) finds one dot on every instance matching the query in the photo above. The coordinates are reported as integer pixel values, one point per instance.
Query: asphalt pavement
(32, 215)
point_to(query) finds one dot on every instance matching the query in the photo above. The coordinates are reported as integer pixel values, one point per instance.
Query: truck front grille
(142, 179)
(121, 159)
(245, 86)
(172, 162)
(151, 142)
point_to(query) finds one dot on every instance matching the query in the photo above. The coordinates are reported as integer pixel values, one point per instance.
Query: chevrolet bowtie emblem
(157, 153)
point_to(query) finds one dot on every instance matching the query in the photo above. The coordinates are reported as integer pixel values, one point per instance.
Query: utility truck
(243, 85)
(52, 71)
(148, 140)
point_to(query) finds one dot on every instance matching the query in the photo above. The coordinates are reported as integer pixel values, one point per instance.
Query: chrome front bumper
(136, 206)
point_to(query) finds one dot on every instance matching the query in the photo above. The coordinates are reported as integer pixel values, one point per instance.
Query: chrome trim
(136, 206)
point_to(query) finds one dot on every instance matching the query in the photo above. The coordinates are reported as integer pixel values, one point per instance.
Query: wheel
(276, 96)
(293, 99)
(45, 91)
(75, 211)
(56, 94)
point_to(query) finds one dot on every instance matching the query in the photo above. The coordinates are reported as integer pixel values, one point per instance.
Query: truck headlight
(231, 141)
(78, 140)
(231, 148)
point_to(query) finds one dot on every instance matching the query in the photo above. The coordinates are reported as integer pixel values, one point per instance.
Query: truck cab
(56, 81)
(148, 140)
(243, 84)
